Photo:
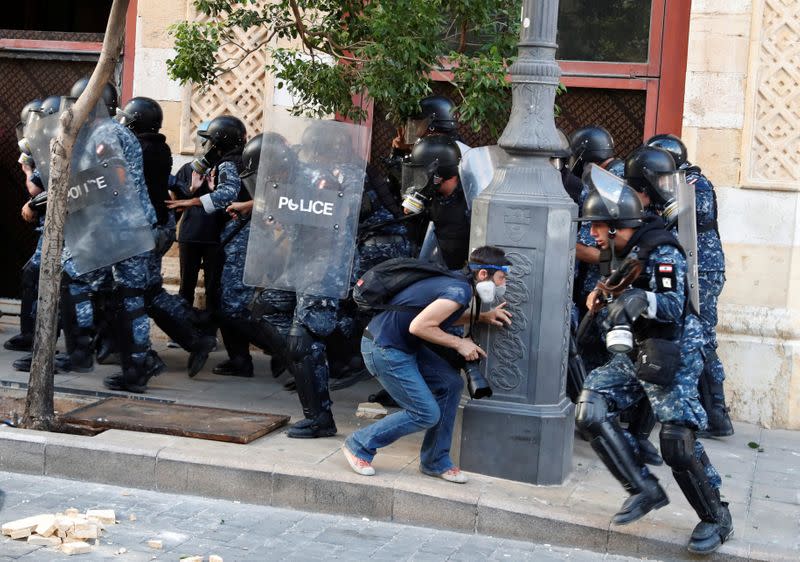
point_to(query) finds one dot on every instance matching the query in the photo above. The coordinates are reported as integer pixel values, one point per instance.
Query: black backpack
(377, 286)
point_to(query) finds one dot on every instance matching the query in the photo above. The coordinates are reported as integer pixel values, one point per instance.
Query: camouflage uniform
(130, 276)
(677, 403)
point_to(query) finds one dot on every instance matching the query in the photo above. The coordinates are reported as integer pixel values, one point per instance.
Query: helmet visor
(416, 127)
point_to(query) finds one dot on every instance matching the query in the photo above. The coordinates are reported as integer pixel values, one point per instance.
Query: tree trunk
(39, 401)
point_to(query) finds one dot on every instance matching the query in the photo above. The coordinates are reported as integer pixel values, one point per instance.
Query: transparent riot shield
(476, 169)
(306, 206)
(687, 234)
(106, 222)
(40, 130)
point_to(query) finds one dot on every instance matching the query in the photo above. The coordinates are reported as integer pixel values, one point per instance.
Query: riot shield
(306, 206)
(476, 169)
(687, 234)
(106, 222)
(40, 130)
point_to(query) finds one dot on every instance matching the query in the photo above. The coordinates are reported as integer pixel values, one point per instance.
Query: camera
(477, 385)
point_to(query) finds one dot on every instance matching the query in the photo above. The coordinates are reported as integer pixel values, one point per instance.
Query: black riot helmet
(672, 144)
(141, 115)
(592, 144)
(645, 165)
(439, 110)
(433, 159)
(33, 105)
(437, 152)
(224, 134)
(109, 94)
(24, 115)
(50, 105)
(619, 208)
(436, 114)
(281, 160)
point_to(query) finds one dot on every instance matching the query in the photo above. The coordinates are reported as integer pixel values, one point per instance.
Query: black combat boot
(200, 349)
(719, 421)
(19, 342)
(133, 378)
(321, 425)
(609, 442)
(716, 526)
(238, 366)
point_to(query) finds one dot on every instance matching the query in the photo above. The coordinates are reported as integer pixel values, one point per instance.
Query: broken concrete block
(192, 559)
(20, 534)
(215, 558)
(157, 544)
(90, 532)
(371, 411)
(78, 547)
(132, 517)
(29, 523)
(44, 541)
(47, 526)
(106, 516)
(71, 512)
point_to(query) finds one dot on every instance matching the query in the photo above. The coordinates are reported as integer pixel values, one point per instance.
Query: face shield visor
(416, 127)
(664, 192)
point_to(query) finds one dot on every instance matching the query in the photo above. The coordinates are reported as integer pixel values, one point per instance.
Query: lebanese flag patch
(665, 268)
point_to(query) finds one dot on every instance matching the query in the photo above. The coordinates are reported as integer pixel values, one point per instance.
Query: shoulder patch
(665, 277)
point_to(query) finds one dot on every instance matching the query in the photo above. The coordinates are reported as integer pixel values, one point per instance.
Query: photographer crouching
(406, 347)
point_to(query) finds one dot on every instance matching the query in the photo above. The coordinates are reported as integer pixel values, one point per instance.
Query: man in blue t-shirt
(396, 349)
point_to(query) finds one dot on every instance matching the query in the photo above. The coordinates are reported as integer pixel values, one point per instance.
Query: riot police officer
(23, 341)
(130, 275)
(170, 312)
(711, 278)
(225, 140)
(649, 307)
(436, 188)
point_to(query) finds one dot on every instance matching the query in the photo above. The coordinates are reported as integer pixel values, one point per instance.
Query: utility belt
(379, 239)
(706, 227)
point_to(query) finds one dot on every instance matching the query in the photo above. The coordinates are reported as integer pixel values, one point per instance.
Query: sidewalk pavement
(762, 484)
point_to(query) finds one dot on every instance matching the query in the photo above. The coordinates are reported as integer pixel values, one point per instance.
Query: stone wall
(742, 125)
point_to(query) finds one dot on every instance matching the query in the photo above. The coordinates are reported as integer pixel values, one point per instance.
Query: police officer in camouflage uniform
(225, 140)
(23, 341)
(655, 310)
(170, 312)
(711, 278)
(129, 276)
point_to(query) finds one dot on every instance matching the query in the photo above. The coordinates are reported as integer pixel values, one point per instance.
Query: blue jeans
(427, 389)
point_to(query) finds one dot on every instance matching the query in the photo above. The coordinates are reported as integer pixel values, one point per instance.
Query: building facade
(723, 74)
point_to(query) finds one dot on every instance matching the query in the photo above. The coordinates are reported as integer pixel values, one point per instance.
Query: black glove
(627, 307)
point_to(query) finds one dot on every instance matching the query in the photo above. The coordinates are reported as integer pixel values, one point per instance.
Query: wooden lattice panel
(241, 92)
(772, 130)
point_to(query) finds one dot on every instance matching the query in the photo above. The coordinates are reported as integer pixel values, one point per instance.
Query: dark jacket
(157, 161)
(197, 226)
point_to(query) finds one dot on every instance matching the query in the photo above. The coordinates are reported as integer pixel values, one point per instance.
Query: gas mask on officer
(420, 184)
(203, 164)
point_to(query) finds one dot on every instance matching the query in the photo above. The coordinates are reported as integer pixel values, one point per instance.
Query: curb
(155, 462)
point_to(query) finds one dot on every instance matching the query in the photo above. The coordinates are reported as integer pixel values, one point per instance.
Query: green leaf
(753, 445)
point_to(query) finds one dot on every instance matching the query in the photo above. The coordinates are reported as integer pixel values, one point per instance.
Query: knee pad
(591, 412)
(677, 446)
(298, 343)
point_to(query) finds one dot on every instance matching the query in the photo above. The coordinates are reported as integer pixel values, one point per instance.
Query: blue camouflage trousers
(710, 285)
(318, 315)
(35, 263)
(171, 304)
(677, 403)
(130, 274)
(236, 296)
